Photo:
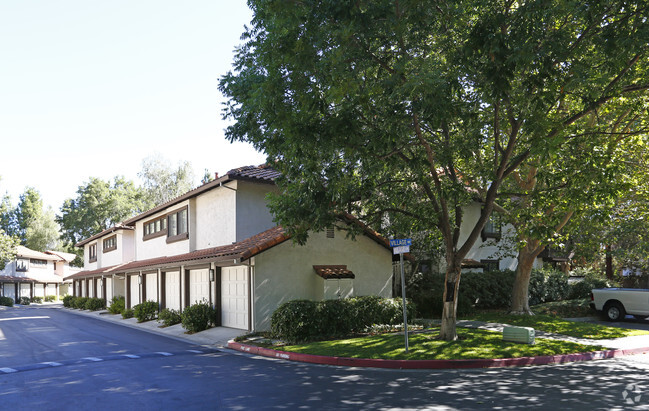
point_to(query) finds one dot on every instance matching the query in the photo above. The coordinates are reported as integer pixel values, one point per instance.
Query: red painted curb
(435, 364)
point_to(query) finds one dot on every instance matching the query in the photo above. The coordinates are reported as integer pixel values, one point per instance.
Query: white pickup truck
(616, 303)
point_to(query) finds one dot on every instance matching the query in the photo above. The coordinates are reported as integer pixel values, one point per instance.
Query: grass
(565, 309)
(472, 344)
(557, 325)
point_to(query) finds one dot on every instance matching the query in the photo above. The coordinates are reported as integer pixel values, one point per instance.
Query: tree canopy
(400, 109)
(162, 182)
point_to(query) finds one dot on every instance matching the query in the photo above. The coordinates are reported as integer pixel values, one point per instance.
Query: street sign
(401, 242)
(402, 249)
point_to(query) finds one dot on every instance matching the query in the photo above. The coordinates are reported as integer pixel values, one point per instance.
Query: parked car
(615, 303)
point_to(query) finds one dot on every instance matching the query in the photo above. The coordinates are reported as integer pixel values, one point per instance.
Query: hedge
(117, 305)
(145, 311)
(306, 320)
(7, 301)
(198, 317)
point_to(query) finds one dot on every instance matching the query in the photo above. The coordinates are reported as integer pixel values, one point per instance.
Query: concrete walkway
(216, 337)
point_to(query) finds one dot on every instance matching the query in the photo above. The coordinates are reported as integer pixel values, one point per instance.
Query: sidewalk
(216, 337)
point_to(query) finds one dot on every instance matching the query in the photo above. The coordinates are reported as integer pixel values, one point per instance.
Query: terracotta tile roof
(329, 272)
(242, 250)
(259, 173)
(469, 263)
(22, 251)
(50, 279)
(119, 226)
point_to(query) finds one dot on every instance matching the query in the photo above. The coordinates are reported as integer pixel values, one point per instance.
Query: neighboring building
(218, 243)
(35, 274)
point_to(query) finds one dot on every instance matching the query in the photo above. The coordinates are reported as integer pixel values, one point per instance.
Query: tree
(8, 242)
(402, 110)
(161, 182)
(43, 233)
(29, 209)
(98, 206)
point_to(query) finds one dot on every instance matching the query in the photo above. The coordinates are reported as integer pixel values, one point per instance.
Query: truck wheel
(614, 311)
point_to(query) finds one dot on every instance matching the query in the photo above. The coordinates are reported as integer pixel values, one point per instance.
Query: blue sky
(90, 88)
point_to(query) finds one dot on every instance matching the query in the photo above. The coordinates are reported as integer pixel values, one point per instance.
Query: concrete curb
(435, 364)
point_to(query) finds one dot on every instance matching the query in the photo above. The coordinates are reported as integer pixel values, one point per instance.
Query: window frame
(24, 267)
(162, 232)
(112, 247)
(92, 253)
(178, 236)
(489, 265)
(495, 220)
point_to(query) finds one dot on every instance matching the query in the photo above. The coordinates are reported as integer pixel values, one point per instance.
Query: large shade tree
(407, 110)
(163, 182)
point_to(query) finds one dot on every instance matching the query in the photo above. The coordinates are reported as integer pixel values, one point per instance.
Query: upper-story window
(22, 264)
(490, 265)
(36, 263)
(155, 228)
(92, 253)
(177, 226)
(110, 244)
(493, 228)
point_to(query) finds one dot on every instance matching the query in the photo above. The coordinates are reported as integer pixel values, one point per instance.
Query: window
(177, 225)
(331, 233)
(22, 264)
(490, 265)
(92, 253)
(38, 263)
(493, 228)
(110, 244)
(155, 228)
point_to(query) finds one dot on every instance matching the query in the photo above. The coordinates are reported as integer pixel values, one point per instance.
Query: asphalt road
(106, 366)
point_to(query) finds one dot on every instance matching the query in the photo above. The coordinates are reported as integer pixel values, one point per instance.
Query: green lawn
(472, 344)
(557, 325)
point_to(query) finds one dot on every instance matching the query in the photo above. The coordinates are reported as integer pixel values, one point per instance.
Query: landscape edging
(436, 364)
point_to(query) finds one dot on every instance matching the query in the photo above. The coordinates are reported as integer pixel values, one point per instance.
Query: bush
(24, 300)
(68, 301)
(169, 317)
(117, 305)
(592, 279)
(7, 301)
(548, 285)
(198, 317)
(145, 311)
(95, 304)
(306, 320)
(127, 313)
(80, 302)
(38, 300)
(50, 298)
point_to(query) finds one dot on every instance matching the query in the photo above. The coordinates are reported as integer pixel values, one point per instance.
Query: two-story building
(35, 274)
(218, 243)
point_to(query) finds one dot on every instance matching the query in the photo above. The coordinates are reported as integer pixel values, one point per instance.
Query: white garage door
(135, 290)
(25, 290)
(82, 290)
(152, 287)
(109, 290)
(91, 287)
(10, 290)
(234, 297)
(39, 291)
(199, 286)
(172, 290)
(51, 289)
(98, 281)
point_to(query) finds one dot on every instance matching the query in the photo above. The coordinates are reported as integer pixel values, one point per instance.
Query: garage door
(109, 290)
(10, 291)
(172, 290)
(135, 290)
(199, 286)
(98, 282)
(25, 290)
(51, 289)
(152, 287)
(234, 297)
(91, 287)
(39, 291)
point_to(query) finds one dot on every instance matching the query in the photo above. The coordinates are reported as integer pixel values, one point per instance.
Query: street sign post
(400, 247)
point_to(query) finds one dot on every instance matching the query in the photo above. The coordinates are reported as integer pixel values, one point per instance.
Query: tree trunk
(609, 263)
(520, 293)
(448, 331)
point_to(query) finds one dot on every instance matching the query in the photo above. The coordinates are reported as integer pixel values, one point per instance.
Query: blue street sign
(401, 243)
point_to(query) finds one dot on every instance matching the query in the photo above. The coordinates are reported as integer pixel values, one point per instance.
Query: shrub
(68, 301)
(7, 301)
(198, 317)
(169, 317)
(548, 285)
(80, 302)
(305, 320)
(117, 305)
(145, 311)
(24, 300)
(95, 304)
(592, 279)
(38, 300)
(127, 313)
(50, 298)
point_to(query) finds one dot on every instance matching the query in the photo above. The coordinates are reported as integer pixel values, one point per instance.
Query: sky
(90, 88)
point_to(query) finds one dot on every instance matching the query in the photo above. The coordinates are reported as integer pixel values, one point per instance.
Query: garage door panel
(199, 286)
(135, 290)
(234, 297)
(10, 290)
(152, 287)
(109, 289)
(172, 290)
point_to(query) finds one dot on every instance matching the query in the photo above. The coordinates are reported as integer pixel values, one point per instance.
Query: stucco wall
(285, 272)
(216, 217)
(158, 246)
(252, 213)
